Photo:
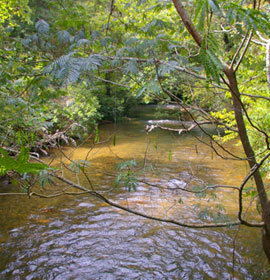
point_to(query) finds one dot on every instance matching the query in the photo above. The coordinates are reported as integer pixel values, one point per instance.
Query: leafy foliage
(128, 175)
(20, 164)
(11, 8)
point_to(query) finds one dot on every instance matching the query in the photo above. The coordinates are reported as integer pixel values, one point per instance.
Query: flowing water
(80, 237)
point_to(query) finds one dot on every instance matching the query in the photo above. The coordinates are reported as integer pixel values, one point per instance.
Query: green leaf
(3, 152)
(32, 136)
(42, 27)
(198, 7)
(23, 156)
(211, 63)
(140, 91)
(167, 67)
(21, 164)
(97, 135)
(203, 14)
(118, 180)
(82, 163)
(131, 67)
(134, 186)
(24, 188)
(180, 201)
(7, 163)
(83, 42)
(126, 164)
(30, 167)
(64, 37)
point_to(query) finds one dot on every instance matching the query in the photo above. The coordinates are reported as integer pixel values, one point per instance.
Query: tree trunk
(230, 73)
(266, 243)
(231, 76)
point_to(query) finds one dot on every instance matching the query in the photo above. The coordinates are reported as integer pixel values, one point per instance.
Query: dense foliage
(40, 62)
(61, 71)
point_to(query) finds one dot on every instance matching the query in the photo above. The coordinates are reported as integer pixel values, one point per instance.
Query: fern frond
(92, 63)
(203, 14)
(213, 43)
(64, 37)
(83, 42)
(131, 67)
(58, 64)
(198, 7)
(74, 70)
(211, 64)
(42, 27)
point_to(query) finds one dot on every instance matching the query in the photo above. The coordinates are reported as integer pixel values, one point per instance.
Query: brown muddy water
(80, 237)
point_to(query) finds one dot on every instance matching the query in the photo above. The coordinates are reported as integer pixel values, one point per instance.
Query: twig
(244, 52)
(109, 17)
(246, 179)
(239, 49)
(256, 96)
(111, 82)
(104, 199)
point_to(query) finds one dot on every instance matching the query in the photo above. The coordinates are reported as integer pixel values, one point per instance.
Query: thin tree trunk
(251, 159)
(233, 83)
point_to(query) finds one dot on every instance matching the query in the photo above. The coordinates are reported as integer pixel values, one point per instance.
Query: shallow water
(80, 237)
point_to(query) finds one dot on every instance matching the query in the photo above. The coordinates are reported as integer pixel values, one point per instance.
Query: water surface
(80, 237)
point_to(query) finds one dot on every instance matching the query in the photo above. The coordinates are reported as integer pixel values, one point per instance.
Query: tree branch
(246, 179)
(256, 96)
(187, 22)
(206, 187)
(239, 49)
(179, 102)
(170, 221)
(244, 52)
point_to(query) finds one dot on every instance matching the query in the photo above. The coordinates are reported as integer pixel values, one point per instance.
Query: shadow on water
(82, 238)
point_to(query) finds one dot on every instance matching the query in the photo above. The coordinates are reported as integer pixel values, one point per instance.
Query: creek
(80, 237)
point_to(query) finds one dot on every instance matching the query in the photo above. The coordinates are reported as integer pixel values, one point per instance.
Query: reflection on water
(82, 238)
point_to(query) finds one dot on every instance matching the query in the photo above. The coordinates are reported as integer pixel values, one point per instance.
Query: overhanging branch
(170, 221)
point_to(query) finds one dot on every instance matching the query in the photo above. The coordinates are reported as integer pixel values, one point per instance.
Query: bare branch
(170, 221)
(244, 52)
(142, 60)
(5, 194)
(109, 17)
(239, 49)
(179, 102)
(256, 96)
(262, 38)
(57, 194)
(111, 82)
(206, 187)
(246, 179)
